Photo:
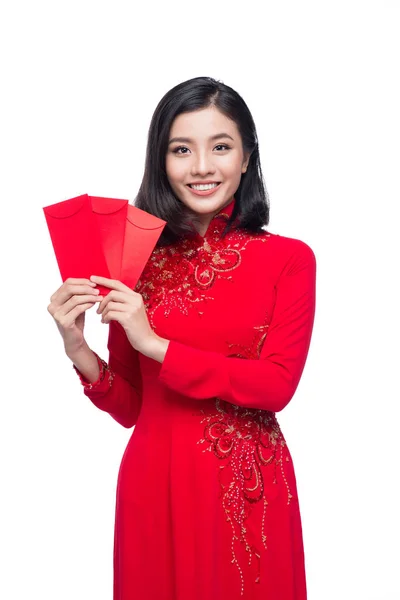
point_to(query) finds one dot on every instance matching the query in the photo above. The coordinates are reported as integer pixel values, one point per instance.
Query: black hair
(155, 194)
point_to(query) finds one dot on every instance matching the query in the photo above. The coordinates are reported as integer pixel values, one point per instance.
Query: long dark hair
(155, 194)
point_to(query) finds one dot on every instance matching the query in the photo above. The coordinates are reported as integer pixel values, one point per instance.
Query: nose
(202, 164)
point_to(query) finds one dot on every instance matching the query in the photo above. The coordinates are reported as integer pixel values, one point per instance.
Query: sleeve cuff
(104, 380)
(192, 372)
(168, 362)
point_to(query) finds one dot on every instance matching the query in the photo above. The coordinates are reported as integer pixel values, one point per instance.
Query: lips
(206, 192)
(213, 183)
(203, 182)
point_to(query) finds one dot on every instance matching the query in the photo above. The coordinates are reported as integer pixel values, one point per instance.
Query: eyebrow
(186, 140)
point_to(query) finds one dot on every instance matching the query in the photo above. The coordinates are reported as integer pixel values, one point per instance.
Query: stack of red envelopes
(106, 237)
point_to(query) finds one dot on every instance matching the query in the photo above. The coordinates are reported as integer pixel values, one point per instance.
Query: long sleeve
(270, 381)
(119, 393)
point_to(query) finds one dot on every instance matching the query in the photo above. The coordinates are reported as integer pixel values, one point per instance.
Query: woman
(210, 345)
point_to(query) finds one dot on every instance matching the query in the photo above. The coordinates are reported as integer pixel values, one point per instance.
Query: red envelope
(110, 215)
(141, 235)
(108, 237)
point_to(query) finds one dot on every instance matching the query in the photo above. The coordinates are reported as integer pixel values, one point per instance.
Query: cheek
(175, 171)
(233, 170)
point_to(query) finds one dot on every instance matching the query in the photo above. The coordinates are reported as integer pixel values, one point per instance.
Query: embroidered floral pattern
(250, 445)
(246, 441)
(180, 276)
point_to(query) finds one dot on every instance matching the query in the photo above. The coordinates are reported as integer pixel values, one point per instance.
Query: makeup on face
(205, 161)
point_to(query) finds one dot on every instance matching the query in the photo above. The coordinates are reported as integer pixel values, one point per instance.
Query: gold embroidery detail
(177, 277)
(250, 444)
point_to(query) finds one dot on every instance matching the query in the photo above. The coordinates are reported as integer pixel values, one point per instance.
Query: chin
(204, 201)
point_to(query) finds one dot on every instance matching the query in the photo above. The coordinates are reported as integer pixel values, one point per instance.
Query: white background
(80, 81)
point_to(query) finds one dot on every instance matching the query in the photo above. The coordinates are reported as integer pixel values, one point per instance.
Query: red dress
(206, 505)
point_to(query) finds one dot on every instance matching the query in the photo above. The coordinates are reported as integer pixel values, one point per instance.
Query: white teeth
(204, 186)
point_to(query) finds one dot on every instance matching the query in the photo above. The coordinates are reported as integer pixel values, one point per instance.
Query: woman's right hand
(68, 306)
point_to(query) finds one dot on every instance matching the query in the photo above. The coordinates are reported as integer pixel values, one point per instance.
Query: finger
(112, 315)
(113, 284)
(75, 281)
(115, 306)
(69, 305)
(67, 290)
(78, 280)
(115, 296)
(67, 320)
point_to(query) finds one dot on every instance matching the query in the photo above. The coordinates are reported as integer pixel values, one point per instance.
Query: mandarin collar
(223, 214)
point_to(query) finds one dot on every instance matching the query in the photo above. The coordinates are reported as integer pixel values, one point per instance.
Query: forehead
(203, 124)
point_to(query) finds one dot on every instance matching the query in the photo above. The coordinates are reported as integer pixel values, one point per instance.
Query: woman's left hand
(127, 307)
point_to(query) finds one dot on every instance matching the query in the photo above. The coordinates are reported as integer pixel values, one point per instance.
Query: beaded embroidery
(104, 369)
(178, 276)
(247, 441)
(250, 445)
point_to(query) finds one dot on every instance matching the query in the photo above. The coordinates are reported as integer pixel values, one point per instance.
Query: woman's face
(205, 162)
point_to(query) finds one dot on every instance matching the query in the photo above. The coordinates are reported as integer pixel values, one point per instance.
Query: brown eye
(223, 146)
(176, 150)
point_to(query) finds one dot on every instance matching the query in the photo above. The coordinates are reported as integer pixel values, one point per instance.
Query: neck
(202, 227)
(202, 222)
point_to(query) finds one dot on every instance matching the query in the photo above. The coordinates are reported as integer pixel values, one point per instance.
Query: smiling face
(205, 162)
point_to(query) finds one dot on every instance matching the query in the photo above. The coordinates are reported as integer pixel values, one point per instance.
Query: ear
(245, 162)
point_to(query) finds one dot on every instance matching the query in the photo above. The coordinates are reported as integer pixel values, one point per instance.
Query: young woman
(202, 354)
